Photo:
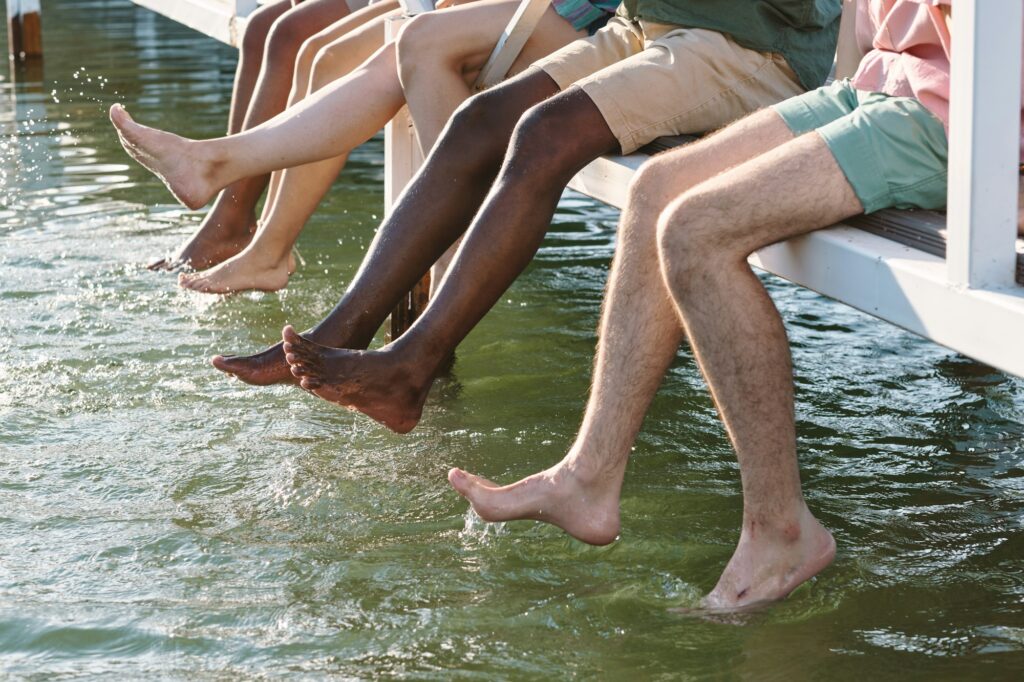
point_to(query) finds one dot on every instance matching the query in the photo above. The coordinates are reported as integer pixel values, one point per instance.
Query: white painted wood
(223, 20)
(513, 38)
(896, 283)
(411, 8)
(984, 143)
(18, 8)
(402, 157)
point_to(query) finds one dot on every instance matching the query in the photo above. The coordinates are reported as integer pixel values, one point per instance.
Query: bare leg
(740, 343)
(436, 78)
(250, 59)
(427, 219)
(540, 161)
(229, 225)
(451, 42)
(639, 334)
(266, 263)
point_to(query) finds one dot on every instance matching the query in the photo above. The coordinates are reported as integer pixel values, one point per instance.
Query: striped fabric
(581, 13)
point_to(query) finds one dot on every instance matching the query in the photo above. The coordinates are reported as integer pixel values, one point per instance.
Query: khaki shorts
(650, 80)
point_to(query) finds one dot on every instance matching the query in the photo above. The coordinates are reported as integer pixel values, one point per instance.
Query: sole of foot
(167, 156)
(589, 514)
(244, 272)
(365, 381)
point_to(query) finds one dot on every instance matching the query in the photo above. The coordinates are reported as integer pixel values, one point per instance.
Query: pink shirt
(908, 46)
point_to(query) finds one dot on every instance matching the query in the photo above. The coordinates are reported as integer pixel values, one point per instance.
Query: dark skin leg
(231, 221)
(552, 142)
(432, 213)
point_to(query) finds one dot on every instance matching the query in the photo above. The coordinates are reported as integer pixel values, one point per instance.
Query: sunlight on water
(160, 520)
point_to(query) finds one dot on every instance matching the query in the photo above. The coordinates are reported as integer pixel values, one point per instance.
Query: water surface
(158, 519)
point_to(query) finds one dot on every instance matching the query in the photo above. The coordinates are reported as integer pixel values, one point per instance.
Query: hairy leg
(432, 212)
(741, 346)
(229, 224)
(500, 243)
(638, 338)
(266, 263)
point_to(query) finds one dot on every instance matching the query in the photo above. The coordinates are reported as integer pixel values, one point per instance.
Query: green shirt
(803, 31)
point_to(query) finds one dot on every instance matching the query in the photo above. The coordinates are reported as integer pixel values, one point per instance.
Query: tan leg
(639, 335)
(740, 343)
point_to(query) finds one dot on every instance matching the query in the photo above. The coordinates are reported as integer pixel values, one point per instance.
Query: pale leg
(452, 43)
(266, 263)
(740, 343)
(639, 335)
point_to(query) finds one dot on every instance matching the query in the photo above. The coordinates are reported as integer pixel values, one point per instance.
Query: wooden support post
(402, 158)
(984, 131)
(24, 29)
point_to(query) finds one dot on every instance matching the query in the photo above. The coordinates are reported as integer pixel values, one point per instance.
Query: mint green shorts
(891, 149)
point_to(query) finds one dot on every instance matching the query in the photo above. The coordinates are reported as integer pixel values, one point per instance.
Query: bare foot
(251, 270)
(261, 369)
(584, 506)
(769, 563)
(373, 382)
(214, 242)
(173, 159)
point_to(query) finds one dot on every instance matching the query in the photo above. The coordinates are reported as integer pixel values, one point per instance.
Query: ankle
(788, 526)
(589, 470)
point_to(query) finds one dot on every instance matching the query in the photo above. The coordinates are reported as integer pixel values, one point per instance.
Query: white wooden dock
(954, 279)
(220, 19)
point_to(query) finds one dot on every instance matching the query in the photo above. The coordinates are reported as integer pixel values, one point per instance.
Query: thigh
(465, 35)
(672, 173)
(312, 16)
(792, 189)
(347, 43)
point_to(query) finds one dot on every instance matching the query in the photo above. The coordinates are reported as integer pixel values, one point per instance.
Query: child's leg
(460, 41)
(229, 225)
(250, 59)
(266, 262)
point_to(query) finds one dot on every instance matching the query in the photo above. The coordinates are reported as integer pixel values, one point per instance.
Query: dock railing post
(24, 29)
(402, 158)
(984, 143)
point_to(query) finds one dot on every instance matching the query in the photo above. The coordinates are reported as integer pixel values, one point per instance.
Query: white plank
(984, 143)
(222, 20)
(896, 283)
(402, 157)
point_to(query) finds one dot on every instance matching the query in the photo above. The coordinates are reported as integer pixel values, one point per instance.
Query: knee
(419, 44)
(286, 37)
(256, 31)
(324, 70)
(307, 55)
(542, 144)
(690, 249)
(653, 187)
(478, 118)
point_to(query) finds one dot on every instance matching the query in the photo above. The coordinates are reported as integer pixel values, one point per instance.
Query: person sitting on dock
(693, 217)
(281, 37)
(441, 54)
(659, 67)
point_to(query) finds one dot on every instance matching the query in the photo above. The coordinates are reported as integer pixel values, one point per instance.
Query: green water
(158, 520)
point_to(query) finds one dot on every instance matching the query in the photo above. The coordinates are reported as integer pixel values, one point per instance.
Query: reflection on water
(158, 518)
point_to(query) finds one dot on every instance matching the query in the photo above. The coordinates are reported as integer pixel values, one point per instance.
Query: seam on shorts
(917, 185)
(768, 61)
